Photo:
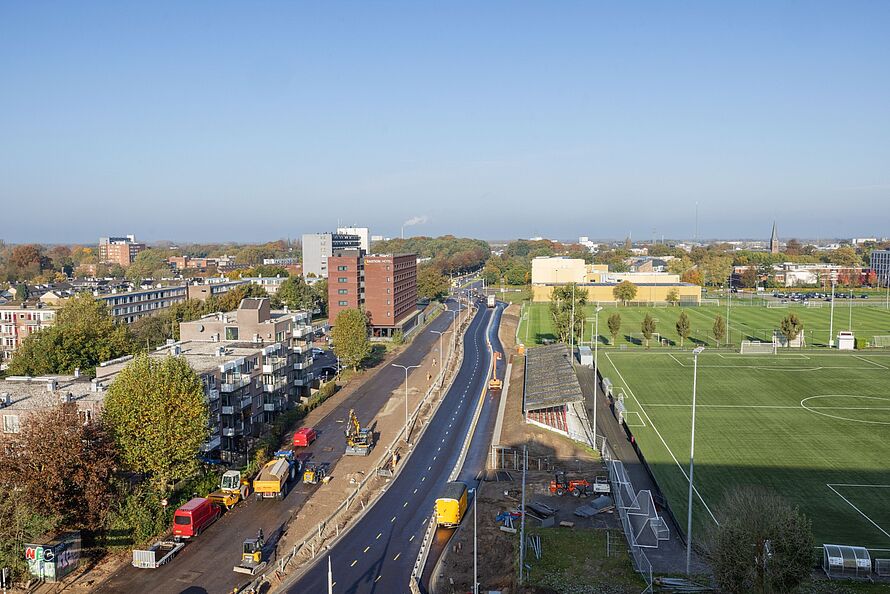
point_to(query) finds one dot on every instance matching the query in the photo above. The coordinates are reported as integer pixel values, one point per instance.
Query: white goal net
(776, 305)
(814, 304)
(881, 341)
(753, 347)
(710, 302)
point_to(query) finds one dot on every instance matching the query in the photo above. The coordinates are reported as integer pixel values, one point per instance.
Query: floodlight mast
(695, 353)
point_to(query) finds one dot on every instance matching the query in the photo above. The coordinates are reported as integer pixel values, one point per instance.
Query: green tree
(561, 300)
(683, 327)
(625, 291)
(20, 523)
(230, 300)
(647, 327)
(320, 289)
(157, 414)
(151, 331)
(614, 324)
(351, 338)
(61, 466)
(431, 283)
(762, 544)
(296, 294)
(719, 329)
(790, 327)
(84, 335)
(150, 263)
(673, 296)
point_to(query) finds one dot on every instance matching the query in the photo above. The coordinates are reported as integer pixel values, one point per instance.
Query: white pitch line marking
(861, 513)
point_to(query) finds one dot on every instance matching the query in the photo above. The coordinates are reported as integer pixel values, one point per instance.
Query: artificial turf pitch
(746, 322)
(814, 427)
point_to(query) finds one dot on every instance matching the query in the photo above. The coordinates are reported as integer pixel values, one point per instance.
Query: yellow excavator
(359, 440)
(252, 555)
(495, 384)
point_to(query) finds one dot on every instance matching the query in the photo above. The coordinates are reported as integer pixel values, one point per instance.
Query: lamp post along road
(695, 354)
(406, 368)
(475, 493)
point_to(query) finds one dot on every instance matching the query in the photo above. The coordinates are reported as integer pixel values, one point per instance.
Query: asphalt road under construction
(205, 564)
(378, 553)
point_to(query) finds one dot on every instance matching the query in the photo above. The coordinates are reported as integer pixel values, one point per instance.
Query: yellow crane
(495, 384)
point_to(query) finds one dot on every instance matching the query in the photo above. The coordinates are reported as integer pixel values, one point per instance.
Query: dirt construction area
(568, 553)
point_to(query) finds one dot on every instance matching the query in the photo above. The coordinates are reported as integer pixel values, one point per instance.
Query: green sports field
(746, 322)
(813, 427)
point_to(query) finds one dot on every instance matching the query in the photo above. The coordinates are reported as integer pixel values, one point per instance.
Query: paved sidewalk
(670, 556)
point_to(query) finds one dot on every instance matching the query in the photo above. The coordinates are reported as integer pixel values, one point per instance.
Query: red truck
(304, 436)
(192, 518)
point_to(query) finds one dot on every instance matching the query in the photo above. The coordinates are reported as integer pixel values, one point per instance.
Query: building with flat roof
(318, 247)
(18, 322)
(119, 250)
(880, 263)
(24, 396)
(130, 306)
(384, 286)
(363, 233)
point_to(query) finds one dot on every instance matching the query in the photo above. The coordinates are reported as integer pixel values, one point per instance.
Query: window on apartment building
(343, 303)
(11, 424)
(342, 279)
(86, 416)
(342, 268)
(343, 291)
(231, 333)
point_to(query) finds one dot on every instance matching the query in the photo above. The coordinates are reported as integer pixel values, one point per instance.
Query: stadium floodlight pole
(572, 328)
(831, 317)
(695, 353)
(728, 307)
(596, 379)
(406, 368)
(851, 309)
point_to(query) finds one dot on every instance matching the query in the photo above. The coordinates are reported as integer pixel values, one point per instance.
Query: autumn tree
(62, 466)
(693, 277)
(673, 296)
(351, 338)
(157, 413)
(83, 335)
(431, 283)
(761, 544)
(647, 327)
(790, 327)
(296, 294)
(614, 324)
(625, 291)
(719, 328)
(683, 327)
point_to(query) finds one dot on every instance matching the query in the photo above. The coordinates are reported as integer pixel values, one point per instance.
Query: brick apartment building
(18, 322)
(119, 250)
(384, 286)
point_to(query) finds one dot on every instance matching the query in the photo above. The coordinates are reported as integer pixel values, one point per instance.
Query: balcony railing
(232, 431)
(272, 406)
(211, 444)
(228, 410)
(235, 384)
(304, 364)
(302, 331)
(275, 385)
(273, 364)
(212, 395)
(245, 402)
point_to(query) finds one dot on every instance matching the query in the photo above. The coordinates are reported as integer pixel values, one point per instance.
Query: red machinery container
(304, 436)
(193, 517)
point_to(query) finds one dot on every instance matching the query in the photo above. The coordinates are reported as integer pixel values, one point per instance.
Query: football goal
(815, 304)
(776, 305)
(754, 347)
(710, 302)
(881, 341)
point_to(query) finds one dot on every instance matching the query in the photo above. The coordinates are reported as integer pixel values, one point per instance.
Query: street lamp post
(695, 354)
(406, 368)
(831, 317)
(475, 493)
(440, 333)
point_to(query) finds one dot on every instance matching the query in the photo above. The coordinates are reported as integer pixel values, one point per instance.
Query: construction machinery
(275, 477)
(560, 485)
(158, 554)
(251, 556)
(359, 440)
(232, 489)
(495, 384)
(451, 505)
(314, 474)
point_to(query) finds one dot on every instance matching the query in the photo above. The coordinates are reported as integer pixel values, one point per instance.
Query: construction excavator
(252, 555)
(495, 384)
(359, 440)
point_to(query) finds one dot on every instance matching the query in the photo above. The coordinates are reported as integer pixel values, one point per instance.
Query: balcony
(246, 402)
(275, 385)
(228, 410)
(273, 364)
(304, 364)
(232, 431)
(236, 384)
(211, 444)
(272, 407)
(212, 395)
(302, 331)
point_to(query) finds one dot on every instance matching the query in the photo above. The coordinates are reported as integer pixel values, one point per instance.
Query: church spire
(774, 241)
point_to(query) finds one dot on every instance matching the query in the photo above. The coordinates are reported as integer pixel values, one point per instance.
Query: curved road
(205, 565)
(377, 555)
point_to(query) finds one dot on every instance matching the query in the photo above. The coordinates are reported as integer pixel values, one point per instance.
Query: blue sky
(249, 121)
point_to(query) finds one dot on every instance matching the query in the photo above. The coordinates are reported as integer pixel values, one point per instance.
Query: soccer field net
(881, 341)
(754, 347)
(815, 304)
(710, 302)
(776, 305)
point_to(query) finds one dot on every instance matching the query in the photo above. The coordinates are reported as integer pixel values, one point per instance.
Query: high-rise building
(383, 286)
(880, 263)
(364, 236)
(119, 250)
(318, 247)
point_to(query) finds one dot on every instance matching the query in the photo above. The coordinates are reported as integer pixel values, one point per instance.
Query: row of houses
(254, 363)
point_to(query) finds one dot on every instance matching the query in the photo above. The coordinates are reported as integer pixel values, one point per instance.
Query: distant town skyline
(242, 122)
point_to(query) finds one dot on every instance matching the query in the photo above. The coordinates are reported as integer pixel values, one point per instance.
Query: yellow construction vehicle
(232, 489)
(314, 474)
(252, 556)
(494, 384)
(359, 440)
